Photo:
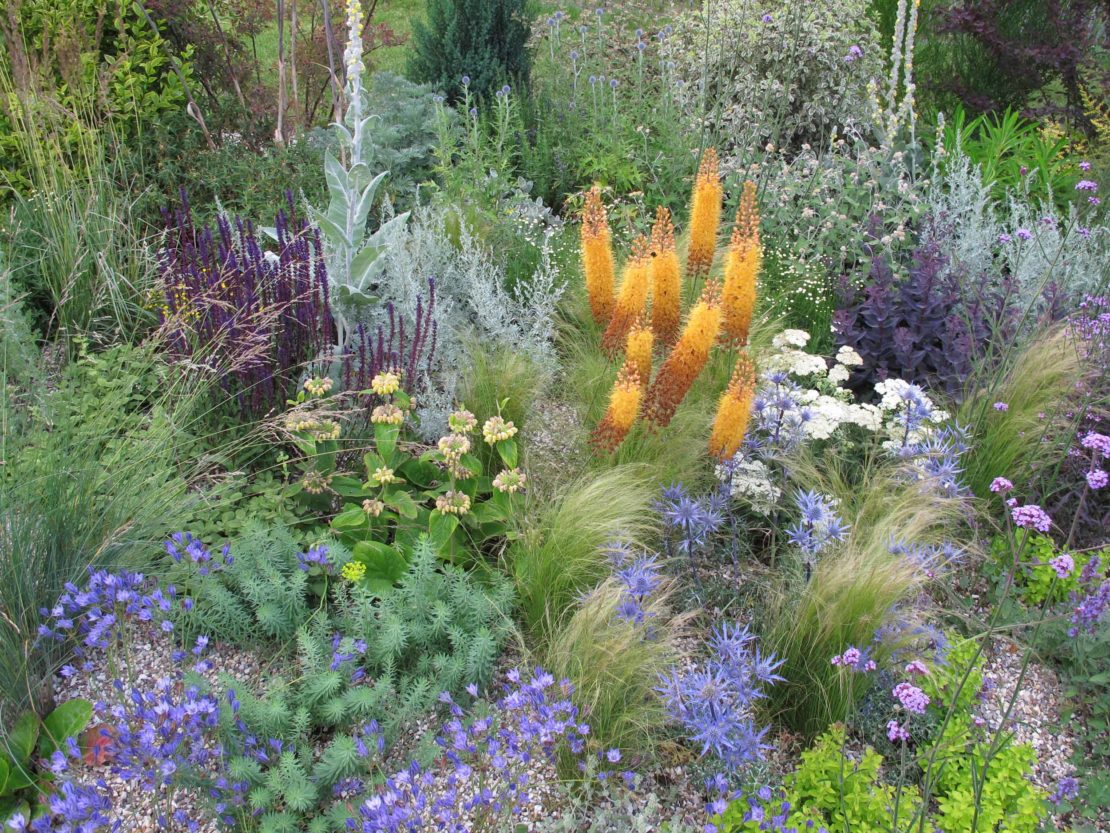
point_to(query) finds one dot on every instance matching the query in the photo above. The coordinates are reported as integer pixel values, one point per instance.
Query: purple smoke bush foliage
(930, 325)
(256, 317)
(713, 701)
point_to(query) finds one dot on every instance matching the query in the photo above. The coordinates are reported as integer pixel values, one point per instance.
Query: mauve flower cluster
(484, 772)
(1031, 516)
(854, 659)
(713, 701)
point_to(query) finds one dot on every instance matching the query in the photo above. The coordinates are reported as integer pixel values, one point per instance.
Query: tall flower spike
(685, 363)
(705, 215)
(734, 410)
(638, 347)
(624, 407)
(632, 297)
(597, 257)
(666, 279)
(745, 255)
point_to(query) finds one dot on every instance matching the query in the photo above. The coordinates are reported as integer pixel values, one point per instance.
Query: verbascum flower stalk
(734, 410)
(624, 407)
(745, 256)
(687, 359)
(632, 298)
(705, 215)
(638, 347)
(666, 280)
(597, 257)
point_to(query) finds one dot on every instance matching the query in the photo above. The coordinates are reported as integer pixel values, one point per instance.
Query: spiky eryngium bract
(686, 360)
(734, 410)
(624, 406)
(744, 258)
(597, 257)
(632, 298)
(666, 280)
(637, 349)
(705, 215)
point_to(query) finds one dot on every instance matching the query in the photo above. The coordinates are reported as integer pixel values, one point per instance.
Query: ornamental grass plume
(624, 407)
(734, 410)
(597, 257)
(705, 215)
(742, 264)
(687, 359)
(666, 279)
(632, 297)
(638, 347)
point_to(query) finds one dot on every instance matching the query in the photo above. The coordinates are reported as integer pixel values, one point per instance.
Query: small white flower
(838, 373)
(848, 356)
(791, 338)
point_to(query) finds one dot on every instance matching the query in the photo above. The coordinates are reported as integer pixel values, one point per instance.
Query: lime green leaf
(351, 518)
(440, 529)
(22, 738)
(508, 451)
(66, 721)
(402, 502)
(385, 436)
(384, 565)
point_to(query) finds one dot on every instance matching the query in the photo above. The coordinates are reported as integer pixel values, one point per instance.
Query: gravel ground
(148, 660)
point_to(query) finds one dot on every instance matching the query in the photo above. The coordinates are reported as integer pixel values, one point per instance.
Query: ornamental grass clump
(734, 410)
(666, 279)
(597, 257)
(624, 407)
(705, 216)
(745, 255)
(687, 360)
(632, 297)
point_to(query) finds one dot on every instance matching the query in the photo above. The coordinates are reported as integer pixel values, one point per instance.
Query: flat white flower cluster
(802, 399)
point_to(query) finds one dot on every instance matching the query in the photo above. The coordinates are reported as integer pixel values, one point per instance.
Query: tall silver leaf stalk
(352, 254)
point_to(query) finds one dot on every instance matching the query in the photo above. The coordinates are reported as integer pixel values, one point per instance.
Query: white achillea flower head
(791, 338)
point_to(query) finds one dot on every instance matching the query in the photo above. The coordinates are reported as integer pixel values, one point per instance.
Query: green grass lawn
(398, 15)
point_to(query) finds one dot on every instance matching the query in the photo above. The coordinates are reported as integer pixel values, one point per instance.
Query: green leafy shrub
(1013, 154)
(484, 40)
(1036, 578)
(103, 469)
(363, 663)
(449, 493)
(789, 77)
(858, 795)
(254, 591)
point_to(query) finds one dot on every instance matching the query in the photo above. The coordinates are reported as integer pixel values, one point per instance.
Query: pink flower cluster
(853, 658)
(912, 698)
(1063, 565)
(1031, 516)
(896, 732)
(1001, 484)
